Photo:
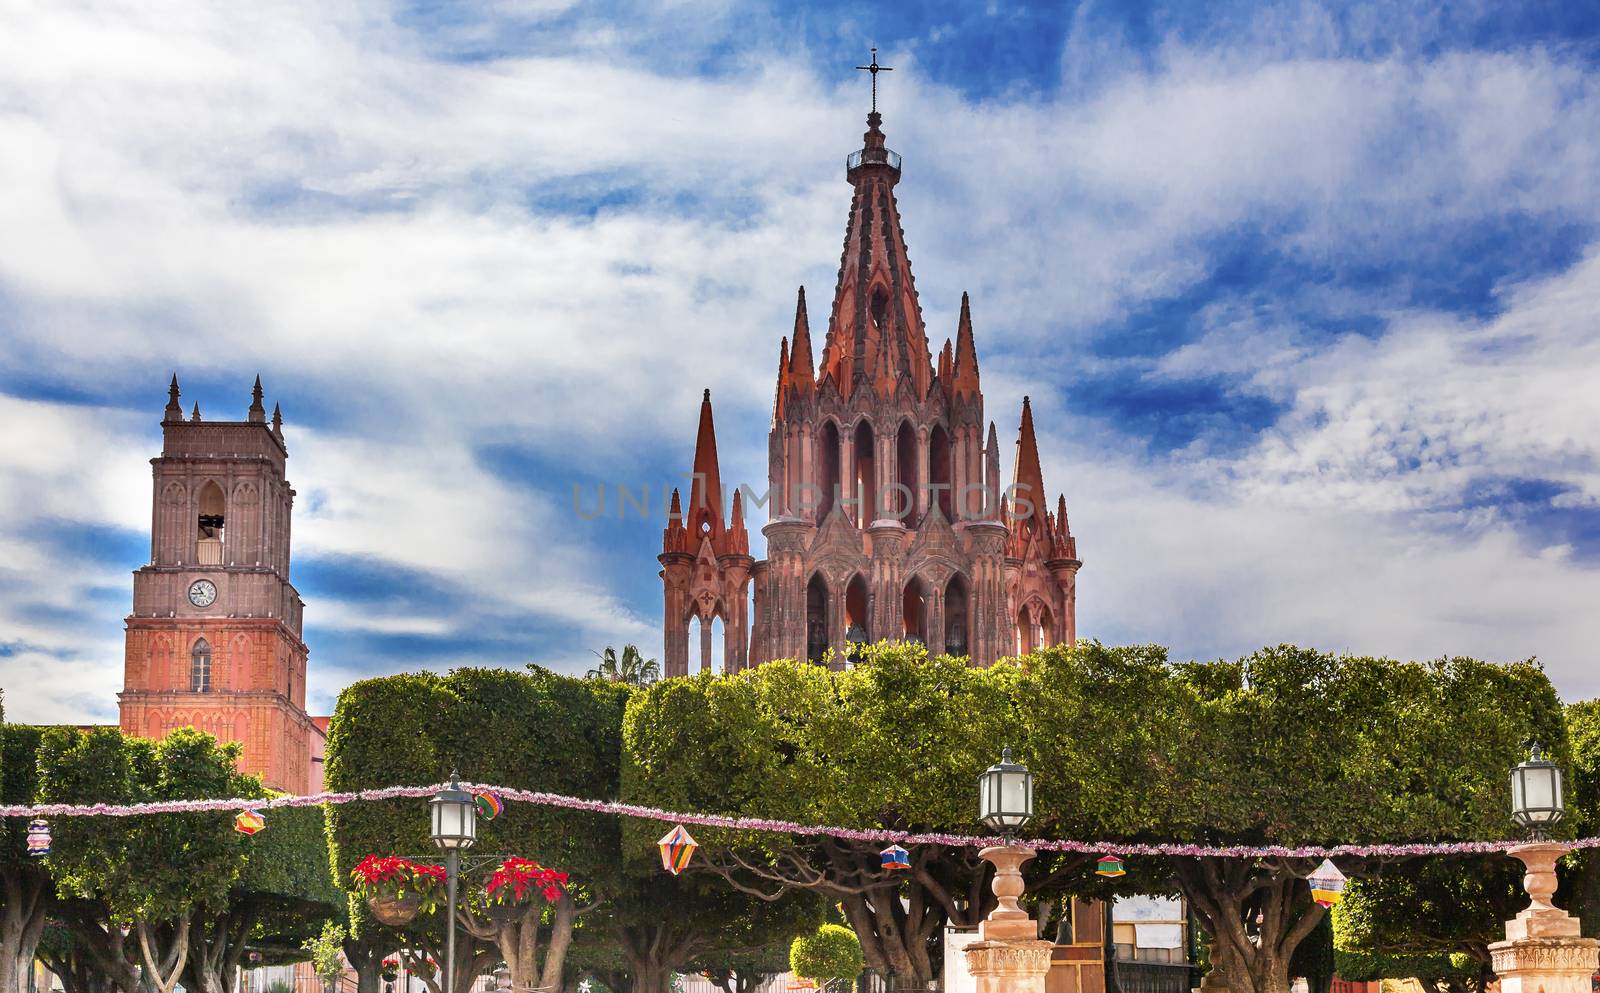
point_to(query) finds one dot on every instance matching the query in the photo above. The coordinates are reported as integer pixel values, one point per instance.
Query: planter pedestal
(1008, 956)
(1544, 950)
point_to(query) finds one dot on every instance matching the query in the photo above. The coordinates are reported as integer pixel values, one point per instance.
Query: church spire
(875, 314)
(781, 399)
(705, 493)
(802, 368)
(277, 421)
(991, 462)
(966, 363)
(1027, 481)
(735, 540)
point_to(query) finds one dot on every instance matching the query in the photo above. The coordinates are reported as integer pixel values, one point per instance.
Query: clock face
(203, 593)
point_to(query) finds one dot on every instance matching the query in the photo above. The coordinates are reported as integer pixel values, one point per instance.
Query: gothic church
(888, 515)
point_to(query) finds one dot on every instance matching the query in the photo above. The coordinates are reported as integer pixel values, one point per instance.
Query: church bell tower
(214, 640)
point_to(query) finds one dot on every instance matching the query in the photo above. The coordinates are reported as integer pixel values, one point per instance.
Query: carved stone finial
(174, 410)
(258, 413)
(195, 416)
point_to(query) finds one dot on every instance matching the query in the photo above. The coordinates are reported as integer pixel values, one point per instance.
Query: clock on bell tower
(214, 640)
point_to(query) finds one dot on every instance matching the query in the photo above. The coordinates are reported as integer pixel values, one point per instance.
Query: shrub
(833, 952)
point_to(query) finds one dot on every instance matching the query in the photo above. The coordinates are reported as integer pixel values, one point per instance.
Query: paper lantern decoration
(1111, 867)
(1327, 884)
(676, 848)
(249, 822)
(895, 858)
(38, 837)
(489, 805)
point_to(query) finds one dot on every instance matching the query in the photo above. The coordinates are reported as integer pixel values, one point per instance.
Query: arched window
(827, 469)
(939, 471)
(901, 503)
(915, 604)
(816, 618)
(1044, 633)
(955, 617)
(856, 629)
(866, 477)
(200, 667)
(213, 507)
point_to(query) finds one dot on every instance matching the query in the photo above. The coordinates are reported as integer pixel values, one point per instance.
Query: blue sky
(1307, 297)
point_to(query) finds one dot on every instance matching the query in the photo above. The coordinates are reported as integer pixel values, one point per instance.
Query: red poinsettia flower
(518, 879)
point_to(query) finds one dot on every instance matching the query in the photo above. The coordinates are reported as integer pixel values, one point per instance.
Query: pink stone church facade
(888, 514)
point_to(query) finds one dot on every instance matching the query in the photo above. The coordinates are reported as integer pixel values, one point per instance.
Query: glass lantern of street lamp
(1538, 797)
(455, 818)
(1005, 795)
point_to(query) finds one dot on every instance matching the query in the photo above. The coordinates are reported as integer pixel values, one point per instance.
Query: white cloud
(304, 191)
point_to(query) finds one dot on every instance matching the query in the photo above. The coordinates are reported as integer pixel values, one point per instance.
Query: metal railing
(1128, 976)
(855, 160)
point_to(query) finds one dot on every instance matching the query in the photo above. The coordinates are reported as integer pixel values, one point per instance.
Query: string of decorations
(1109, 854)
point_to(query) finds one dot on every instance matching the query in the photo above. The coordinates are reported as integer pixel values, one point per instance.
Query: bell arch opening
(956, 620)
(816, 618)
(857, 628)
(914, 611)
(865, 481)
(901, 501)
(939, 471)
(827, 469)
(209, 526)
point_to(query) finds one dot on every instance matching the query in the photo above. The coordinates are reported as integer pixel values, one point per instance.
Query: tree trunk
(367, 962)
(27, 897)
(1256, 915)
(555, 956)
(163, 965)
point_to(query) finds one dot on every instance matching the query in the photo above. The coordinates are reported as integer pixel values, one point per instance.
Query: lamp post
(455, 827)
(1005, 804)
(1008, 956)
(1544, 950)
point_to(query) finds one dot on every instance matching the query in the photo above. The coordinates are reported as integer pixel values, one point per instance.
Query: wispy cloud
(1305, 300)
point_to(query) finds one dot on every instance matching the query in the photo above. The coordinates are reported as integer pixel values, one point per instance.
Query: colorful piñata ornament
(1111, 867)
(249, 822)
(38, 837)
(895, 858)
(1327, 884)
(489, 805)
(676, 848)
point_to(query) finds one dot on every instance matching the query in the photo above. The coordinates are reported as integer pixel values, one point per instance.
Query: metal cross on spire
(875, 68)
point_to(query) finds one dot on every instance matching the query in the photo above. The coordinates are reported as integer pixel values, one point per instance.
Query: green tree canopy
(533, 730)
(1286, 746)
(195, 892)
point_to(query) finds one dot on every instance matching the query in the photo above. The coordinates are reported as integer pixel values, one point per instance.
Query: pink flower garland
(874, 835)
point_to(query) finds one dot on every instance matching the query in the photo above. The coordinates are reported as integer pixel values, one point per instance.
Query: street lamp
(1005, 795)
(455, 827)
(1538, 799)
(1005, 804)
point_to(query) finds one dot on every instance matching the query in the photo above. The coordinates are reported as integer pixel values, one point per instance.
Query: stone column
(1008, 956)
(1544, 951)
